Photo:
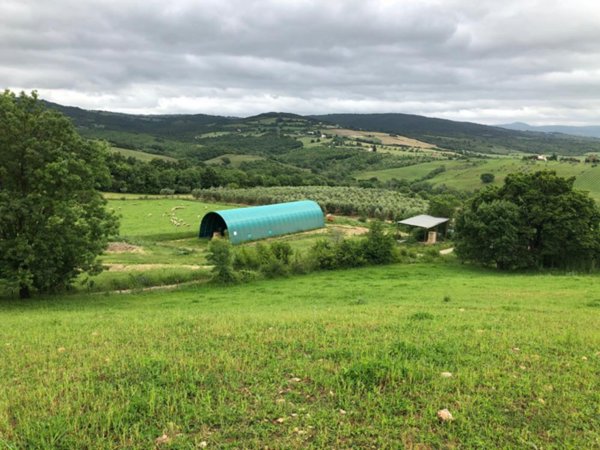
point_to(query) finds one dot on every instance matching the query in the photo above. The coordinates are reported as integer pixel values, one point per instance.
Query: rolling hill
(590, 131)
(139, 132)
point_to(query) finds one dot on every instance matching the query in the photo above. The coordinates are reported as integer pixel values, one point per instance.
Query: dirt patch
(144, 267)
(123, 247)
(350, 230)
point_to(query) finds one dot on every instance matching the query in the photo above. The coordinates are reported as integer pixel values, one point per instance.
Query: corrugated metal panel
(424, 221)
(259, 222)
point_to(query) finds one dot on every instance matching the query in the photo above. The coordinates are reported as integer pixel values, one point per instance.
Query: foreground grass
(330, 360)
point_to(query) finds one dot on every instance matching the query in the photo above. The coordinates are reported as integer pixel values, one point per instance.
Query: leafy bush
(379, 248)
(487, 178)
(220, 255)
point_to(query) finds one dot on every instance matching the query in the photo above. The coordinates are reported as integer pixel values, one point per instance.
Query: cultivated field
(379, 138)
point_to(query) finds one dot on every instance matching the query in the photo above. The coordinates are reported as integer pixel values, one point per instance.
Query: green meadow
(349, 359)
(465, 175)
(142, 156)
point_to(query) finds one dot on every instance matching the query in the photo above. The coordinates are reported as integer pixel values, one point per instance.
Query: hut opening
(260, 222)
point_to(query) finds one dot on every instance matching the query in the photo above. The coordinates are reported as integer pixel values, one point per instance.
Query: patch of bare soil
(144, 267)
(123, 247)
(350, 230)
(385, 138)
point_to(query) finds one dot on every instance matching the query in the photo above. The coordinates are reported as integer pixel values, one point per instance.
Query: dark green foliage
(271, 260)
(487, 178)
(350, 253)
(379, 247)
(535, 220)
(220, 255)
(492, 233)
(324, 255)
(53, 222)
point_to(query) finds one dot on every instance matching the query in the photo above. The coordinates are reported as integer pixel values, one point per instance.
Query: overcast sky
(476, 60)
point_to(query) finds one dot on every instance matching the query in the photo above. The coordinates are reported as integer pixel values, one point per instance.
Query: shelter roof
(259, 222)
(424, 221)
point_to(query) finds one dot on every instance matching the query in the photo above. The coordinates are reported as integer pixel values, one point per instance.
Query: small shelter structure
(260, 222)
(429, 223)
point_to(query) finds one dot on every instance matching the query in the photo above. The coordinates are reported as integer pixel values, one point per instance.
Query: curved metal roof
(259, 222)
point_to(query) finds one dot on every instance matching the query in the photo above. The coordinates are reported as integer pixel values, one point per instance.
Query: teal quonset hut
(259, 222)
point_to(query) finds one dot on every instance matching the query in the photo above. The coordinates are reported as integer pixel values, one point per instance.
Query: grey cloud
(483, 61)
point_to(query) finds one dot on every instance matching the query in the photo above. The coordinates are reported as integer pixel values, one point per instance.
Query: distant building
(429, 223)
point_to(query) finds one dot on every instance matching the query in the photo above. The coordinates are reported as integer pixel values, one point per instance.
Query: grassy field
(465, 175)
(142, 156)
(159, 245)
(235, 160)
(349, 359)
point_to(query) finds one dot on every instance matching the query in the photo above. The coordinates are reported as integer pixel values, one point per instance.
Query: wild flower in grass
(61, 349)
(203, 444)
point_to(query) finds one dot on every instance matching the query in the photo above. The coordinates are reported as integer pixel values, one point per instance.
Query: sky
(536, 61)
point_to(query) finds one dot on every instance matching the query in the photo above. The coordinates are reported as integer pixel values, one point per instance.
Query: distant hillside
(589, 131)
(207, 136)
(466, 136)
(169, 126)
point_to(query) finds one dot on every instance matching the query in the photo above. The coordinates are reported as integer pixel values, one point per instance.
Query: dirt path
(143, 267)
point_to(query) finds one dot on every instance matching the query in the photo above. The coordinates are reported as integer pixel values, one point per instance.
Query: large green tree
(534, 220)
(53, 221)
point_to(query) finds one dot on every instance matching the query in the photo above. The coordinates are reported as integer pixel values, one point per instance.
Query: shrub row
(239, 264)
